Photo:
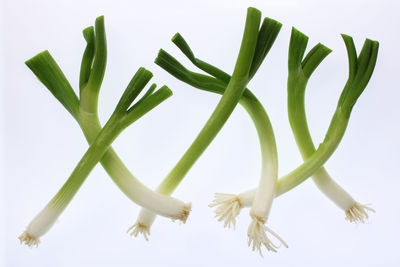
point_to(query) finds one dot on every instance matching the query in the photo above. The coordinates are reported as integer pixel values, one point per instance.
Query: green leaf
(49, 73)
(87, 58)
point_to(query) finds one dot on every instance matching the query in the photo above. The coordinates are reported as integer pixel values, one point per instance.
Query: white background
(43, 143)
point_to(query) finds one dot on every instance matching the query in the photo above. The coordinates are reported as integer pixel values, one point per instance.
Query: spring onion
(228, 205)
(221, 113)
(299, 74)
(84, 110)
(47, 70)
(266, 36)
(361, 69)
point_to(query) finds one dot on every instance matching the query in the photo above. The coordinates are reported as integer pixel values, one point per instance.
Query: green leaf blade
(49, 73)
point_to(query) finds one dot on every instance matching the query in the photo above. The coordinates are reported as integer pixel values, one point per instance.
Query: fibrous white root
(29, 240)
(228, 208)
(358, 213)
(257, 235)
(139, 228)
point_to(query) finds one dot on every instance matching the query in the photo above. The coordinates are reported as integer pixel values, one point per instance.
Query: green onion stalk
(229, 205)
(266, 190)
(122, 117)
(84, 110)
(361, 68)
(299, 74)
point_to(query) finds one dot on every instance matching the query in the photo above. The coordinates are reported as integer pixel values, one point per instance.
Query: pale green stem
(225, 107)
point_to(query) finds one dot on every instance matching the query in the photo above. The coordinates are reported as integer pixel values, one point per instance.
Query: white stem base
(147, 217)
(184, 215)
(228, 208)
(355, 212)
(40, 225)
(257, 234)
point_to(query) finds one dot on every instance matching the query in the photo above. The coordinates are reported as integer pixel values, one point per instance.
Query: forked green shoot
(84, 110)
(228, 205)
(266, 37)
(300, 70)
(220, 115)
(122, 117)
(299, 74)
